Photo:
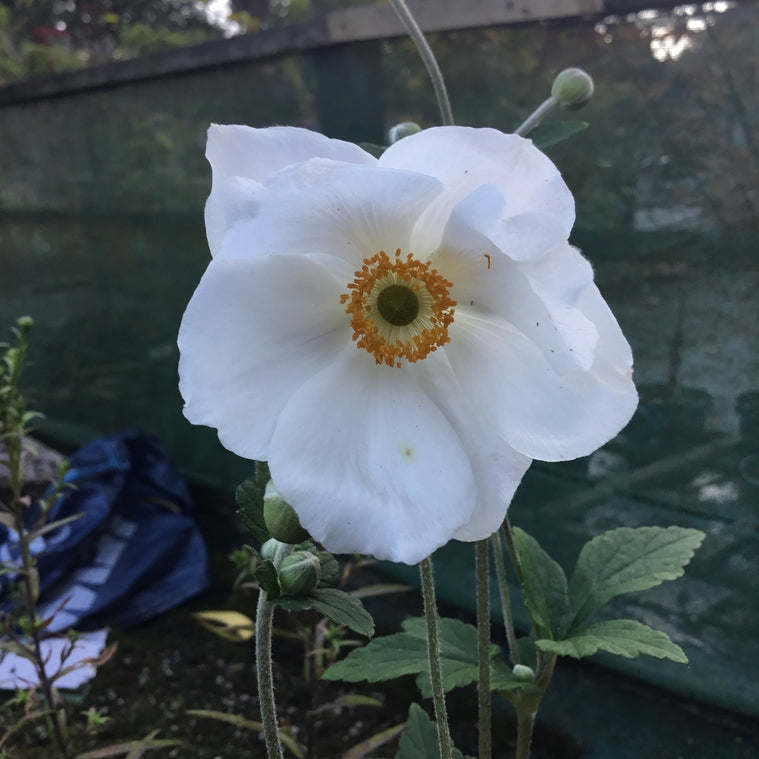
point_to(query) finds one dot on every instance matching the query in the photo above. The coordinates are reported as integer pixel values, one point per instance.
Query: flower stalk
(264, 618)
(483, 649)
(433, 653)
(503, 592)
(428, 58)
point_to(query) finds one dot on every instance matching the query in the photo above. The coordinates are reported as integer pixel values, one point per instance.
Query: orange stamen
(389, 343)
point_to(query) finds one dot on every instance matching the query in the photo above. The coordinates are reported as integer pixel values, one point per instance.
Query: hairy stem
(428, 58)
(537, 116)
(264, 617)
(503, 591)
(433, 652)
(483, 649)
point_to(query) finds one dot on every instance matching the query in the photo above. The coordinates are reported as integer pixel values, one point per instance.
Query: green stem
(537, 116)
(433, 652)
(503, 591)
(428, 58)
(483, 649)
(525, 723)
(264, 617)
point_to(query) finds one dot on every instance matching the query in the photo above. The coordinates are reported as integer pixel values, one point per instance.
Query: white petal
(243, 151)
(325, 208)
(370, 463)
(539, 412)
(498, 468)
(253, 332)
(242, 157)
(485, 216)
(464, 158)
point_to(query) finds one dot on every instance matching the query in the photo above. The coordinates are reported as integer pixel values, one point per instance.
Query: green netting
(101, 240)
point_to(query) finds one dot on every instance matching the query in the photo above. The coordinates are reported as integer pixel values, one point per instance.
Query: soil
(172, 665)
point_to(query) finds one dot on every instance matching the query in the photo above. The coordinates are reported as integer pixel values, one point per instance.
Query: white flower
(399, 337)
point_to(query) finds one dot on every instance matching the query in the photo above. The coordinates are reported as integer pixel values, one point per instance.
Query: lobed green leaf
(545, 585)
(626, 560)
(337, 605)
(419, 739)
(622, 637)
(249, 499)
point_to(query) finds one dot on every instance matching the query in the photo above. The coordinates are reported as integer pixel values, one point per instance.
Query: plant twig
(264, 617)
(483, 649)
(433, 652)
(428, 58)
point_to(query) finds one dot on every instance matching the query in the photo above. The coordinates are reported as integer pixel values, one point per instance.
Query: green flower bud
(404, 129)
(523, 673)
(275, 551)
(281, 519)
(573, 88)
(299, 573)
(24, 323)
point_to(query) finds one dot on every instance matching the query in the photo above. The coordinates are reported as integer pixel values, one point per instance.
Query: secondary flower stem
(428, 58)
(264, 617)
(503, 590)
(537, 116)
(433, 652)
(483, 649)
(525, 722)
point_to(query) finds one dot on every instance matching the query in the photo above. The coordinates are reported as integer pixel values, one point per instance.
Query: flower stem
(525, 722)
(428, 58)
(433, 652)
(483, 649)
(537, 116)
(264, 617)
(503, 591)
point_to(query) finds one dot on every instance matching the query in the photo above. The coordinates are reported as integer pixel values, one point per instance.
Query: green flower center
(398, 305)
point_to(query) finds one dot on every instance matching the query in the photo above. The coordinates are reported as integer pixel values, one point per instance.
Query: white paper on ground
(17, 672)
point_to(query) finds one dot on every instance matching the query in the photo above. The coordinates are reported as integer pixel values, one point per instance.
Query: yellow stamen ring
(399, 308)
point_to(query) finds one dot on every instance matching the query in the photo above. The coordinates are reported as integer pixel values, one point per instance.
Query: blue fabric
(135, 551)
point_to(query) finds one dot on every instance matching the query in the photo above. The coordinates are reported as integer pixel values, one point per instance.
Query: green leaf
(553, 132)
(339, 606)
(360, 750)
(250, 508)
(626, 560)
(405, 653)
(623, 637)
(419, 739)
(266, 576)
(545, 585)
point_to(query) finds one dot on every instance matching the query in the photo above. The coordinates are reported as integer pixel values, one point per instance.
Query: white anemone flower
(398, 337)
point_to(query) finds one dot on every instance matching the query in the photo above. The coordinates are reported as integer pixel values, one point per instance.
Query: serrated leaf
(344, 609)
(545, 135)
(249, 499)
(622, 637)
(266, 576)
(419, 739)
(337, 605)
(405, 653)
(329, 569)
(626, 560)
(545, 585)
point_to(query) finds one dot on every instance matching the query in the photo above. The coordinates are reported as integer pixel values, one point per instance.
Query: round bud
(404, 129)
(299, 573)
(275, 551)
(24, 323)
(523, 673)
(281, 519)
(573, 88)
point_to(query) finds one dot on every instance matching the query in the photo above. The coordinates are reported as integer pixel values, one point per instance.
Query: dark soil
(171, 665)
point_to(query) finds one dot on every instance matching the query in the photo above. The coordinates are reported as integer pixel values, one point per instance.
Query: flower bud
(281, 519)
(299, 573)
(404, 129)
(573, 88)
(275, 551)
(523, 673)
